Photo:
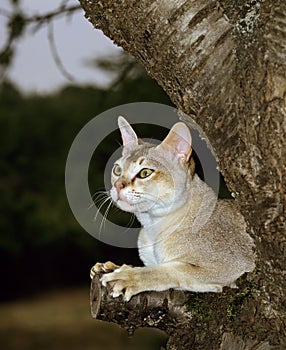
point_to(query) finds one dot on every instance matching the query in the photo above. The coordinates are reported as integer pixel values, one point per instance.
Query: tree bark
(223, 64)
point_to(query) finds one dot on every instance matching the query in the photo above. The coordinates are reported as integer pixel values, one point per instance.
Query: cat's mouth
(127, 205)
(132, 203)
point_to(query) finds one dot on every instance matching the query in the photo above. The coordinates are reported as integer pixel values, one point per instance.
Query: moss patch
(237, 303)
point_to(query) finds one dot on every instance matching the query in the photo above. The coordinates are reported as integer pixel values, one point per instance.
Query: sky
(34, 68)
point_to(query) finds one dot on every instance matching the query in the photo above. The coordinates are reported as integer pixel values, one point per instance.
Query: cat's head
(152, 178)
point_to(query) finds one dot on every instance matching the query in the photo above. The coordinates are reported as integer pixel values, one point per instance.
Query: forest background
(45, 255)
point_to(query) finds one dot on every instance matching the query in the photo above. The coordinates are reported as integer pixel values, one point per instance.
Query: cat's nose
(119, 185)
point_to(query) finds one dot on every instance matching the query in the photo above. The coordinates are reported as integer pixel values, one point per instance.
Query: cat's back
(220, 244)
(225, 234)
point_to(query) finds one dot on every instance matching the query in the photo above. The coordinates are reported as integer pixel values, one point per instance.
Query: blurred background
(57, 73)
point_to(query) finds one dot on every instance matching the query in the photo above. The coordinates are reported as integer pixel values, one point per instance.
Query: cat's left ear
(179, 140)
(128, 135)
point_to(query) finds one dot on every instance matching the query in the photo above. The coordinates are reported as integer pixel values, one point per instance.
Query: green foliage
(6, 56)
(228, 304)
(36, 133)
(239, 299)
(199, 307)
(16, 25)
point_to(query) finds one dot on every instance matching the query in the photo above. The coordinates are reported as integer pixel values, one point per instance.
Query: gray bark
(223, 64)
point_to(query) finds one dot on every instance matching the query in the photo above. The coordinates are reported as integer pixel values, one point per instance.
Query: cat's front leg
(126, 281)
(129, 281)
(103, 268)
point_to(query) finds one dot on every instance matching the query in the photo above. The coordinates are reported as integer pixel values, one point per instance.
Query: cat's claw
(121, 282)
(103, 268)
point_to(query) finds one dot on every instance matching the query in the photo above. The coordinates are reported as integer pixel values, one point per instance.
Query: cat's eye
(145, 173)
(117, 170)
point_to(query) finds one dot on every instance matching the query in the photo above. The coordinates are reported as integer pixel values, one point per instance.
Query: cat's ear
(179, 141)
(128, 135)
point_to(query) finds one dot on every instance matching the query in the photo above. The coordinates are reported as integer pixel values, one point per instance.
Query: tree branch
(16, 26)
(56, 55)
(178, 314)
(47, 17)
(163, 310)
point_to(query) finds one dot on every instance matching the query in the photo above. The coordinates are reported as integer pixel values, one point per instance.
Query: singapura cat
(189, 240)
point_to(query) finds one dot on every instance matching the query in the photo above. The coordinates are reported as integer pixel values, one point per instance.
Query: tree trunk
(223, 64)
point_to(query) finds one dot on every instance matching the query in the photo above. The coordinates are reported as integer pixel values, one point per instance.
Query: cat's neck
(190, 203)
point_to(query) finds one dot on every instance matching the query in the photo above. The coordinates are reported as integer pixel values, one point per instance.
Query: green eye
(117, 170)
(145, 173)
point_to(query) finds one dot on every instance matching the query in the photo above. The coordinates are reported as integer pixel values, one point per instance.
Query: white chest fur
(147, 249)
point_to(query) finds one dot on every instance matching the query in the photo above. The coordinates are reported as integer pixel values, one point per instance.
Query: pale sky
(34, 69)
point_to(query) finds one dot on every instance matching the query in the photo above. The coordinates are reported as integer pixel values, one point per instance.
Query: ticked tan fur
(189, 240)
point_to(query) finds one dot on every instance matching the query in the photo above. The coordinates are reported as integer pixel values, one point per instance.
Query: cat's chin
(121, 204)
(138, 207)
(127, 203)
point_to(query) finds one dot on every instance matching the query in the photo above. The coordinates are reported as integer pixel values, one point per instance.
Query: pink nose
(119, 185)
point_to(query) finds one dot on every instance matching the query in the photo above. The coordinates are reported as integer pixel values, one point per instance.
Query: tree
(223, 64)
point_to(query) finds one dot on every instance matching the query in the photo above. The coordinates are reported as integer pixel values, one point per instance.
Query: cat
(189, 240)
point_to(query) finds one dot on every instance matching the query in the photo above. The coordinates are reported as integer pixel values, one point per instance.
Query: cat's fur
(189, 240)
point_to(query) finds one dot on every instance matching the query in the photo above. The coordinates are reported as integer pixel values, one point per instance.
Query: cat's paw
(124, 281)
(102, 268)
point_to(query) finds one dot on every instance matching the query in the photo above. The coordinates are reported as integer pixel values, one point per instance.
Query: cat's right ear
(178, 142)
(128, 135)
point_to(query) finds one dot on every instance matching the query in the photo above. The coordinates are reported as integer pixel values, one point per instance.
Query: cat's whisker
(173, 209)
(100, 206)
(97, 197)
(104, 218)
(100, 194)
(130, 222)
